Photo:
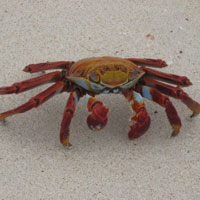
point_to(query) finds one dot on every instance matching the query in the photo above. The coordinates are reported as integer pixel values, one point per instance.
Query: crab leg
(67, 117)
(171, 78)
(30, 83)
(156, 96)
(35, 101)
(48, 65)
(175, 92)
(151, 62)
(98, 118)
(141, 119)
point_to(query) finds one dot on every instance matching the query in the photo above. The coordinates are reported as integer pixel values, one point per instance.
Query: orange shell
(94, 73)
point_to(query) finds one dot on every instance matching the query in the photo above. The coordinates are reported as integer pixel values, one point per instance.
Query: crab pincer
(141, 122)
(98, 118)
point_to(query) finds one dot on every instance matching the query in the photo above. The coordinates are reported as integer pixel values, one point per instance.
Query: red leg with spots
(98, 119)
(35, 101)
(67, 117)
(151, 62)
(30, 83)
(175, 92)
(156, 96)
(47, 66)
(170, 78)
(141, 120)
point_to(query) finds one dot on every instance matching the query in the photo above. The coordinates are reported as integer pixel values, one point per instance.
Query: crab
(103, 75)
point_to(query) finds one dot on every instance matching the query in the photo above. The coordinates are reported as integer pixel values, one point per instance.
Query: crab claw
(141, 124)
(98, 119)
(95, 123)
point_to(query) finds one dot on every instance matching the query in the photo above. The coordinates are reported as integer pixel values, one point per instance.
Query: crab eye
(132, 75)
(94, 77)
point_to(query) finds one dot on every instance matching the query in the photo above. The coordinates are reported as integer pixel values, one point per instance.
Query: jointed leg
(67, 117)
(175, 92)
(98, 118)
(48, 65)
(171, 78)
(161, 99)
(141, 119)
(30, 83)
(35, 101)
(150, 62)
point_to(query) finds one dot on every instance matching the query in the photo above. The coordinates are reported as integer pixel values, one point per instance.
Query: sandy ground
(100, 165)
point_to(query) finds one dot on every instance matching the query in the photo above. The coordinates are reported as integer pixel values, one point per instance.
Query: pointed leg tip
(165, 64)
(3, 121)
(2, 117)
(176, 129)
(64, 139)
(174, 133)
(68, 145)
(27, 69)
(195, 113)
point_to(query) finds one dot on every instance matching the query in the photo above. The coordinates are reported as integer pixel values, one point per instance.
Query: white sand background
(101, 165)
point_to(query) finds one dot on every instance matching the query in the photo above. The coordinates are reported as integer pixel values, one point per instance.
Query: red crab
(93, 76)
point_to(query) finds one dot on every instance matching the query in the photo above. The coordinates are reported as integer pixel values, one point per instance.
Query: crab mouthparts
(108, 90)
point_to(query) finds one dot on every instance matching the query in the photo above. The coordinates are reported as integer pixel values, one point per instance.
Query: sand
(101, 165)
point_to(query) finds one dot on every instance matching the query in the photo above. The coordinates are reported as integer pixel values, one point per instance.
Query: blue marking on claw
(87, 96)
(76, 98)
(138, 97)
(146, 92)
(131, 102)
